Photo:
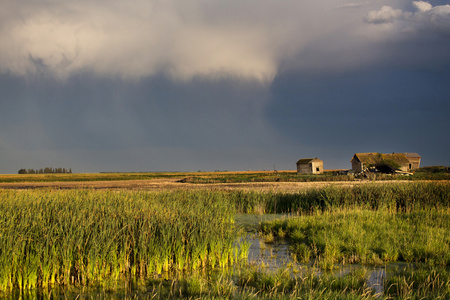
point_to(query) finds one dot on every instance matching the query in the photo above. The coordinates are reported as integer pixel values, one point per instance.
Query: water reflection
(272, 256)
(376, 279)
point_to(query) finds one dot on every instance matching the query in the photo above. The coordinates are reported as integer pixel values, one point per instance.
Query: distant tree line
(45, 171)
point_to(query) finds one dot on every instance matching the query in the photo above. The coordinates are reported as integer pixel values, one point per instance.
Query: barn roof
(373, 157)
(308, 160)
(412, 155)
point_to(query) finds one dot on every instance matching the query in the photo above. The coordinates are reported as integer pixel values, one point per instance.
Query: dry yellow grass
(174, 184)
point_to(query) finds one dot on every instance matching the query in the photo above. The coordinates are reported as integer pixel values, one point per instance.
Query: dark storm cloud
(386, 92)
(161, 122)
(172, 85)
(179, 39)
(183, 40)
(383, 111)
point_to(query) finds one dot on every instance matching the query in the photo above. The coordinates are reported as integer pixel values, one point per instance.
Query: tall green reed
(370, 224)
(367, 237)
(405, 196)
(50, 237)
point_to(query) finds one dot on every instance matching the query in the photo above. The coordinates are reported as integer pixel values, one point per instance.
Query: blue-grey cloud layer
(170, 85)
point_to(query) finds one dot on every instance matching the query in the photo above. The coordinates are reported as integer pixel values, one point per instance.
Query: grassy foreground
(367, 237)
(373, 226)
(85, 238)
(52, 238)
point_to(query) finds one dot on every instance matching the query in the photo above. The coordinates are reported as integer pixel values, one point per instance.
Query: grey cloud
(349, 5)
(385, 15)
(422, 5)
(438, 18)
(361, 111)
(213, 84)
(91, 114)
(182, 40)
(138, 40)
(426, 18)
(96, 124)
(374, 37)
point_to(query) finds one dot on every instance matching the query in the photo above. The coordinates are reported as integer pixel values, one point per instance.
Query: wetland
(368, 241)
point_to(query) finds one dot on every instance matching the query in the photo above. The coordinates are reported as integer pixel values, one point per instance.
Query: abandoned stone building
(406, 161)
(310, 166)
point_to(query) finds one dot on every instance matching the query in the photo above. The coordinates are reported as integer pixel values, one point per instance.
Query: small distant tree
(46, 170)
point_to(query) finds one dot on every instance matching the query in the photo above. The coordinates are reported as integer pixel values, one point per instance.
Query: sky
(205, 85)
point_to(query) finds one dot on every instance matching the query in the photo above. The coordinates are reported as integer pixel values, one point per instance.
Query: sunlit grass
(81, 237)
(393, 197)
(368, 237)
(78, 238)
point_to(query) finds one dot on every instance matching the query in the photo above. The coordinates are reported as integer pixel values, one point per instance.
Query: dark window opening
(317, 170)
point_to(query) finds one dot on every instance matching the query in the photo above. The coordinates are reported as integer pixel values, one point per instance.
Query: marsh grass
(368, 224)
(292, 176)
(418, 283)
(256, 283)
(86, 238)
(373, 226)
(393, 197)
(50, 238)
(249, 177)
(368, 237)
(306, 284)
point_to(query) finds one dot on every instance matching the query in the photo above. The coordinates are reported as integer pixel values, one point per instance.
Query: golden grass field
(163, 181)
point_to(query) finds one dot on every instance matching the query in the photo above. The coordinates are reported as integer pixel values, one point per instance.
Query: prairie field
(175, 235)
(280, 181)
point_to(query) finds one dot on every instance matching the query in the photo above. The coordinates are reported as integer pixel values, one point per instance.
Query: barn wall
(414, 162)
(404, 168)
(304, 168)
(317, 167)
(310, 168)
(357, 166)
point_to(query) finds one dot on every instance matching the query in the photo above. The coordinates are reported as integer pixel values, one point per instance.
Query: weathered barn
(414, 160)
(310, 166)
(405, 161)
